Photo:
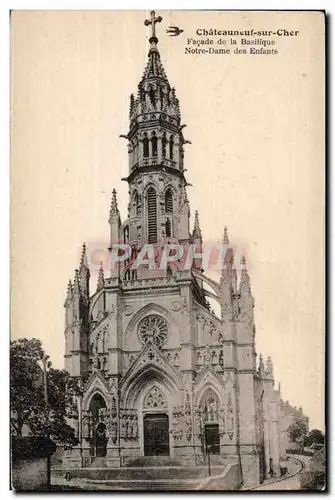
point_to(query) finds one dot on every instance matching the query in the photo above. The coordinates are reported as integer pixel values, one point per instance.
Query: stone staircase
(141, 474)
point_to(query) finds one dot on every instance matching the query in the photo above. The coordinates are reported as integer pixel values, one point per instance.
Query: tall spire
(101, 278)
(196, 230)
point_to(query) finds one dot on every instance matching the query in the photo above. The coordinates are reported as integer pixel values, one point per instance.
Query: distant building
(289, 415)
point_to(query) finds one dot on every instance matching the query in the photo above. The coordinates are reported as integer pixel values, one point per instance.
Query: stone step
(154, 461)
(137, 473)
(98, 463)
(129, 485)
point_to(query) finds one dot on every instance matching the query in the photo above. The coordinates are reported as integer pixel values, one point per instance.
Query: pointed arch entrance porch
(153, 391)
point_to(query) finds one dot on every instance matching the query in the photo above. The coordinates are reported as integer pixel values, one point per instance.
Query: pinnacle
(114, 207)
(76, 285)
(101, 278)
(83, 259)
(261, 363)
(225, 236)
(196, 230)
(269, 366)
(69, 289)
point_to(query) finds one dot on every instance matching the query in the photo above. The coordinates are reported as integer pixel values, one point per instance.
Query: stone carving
(129, 424)
(177, 416)
(155, 399)
(112, 311)
(222, 420)
(113, 421)
(175, 306)
(210, 358)
(128, 310)
(113, 385)
(153, 329)
(230, 417)
(188, 417)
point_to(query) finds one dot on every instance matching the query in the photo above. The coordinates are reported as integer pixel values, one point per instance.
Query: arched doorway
(155, 423)
(209, 410)
(99, 438)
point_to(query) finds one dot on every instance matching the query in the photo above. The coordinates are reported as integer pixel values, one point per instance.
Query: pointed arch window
(126, 234)
(145, 145)
(152, 215)
(152, 96)
(154, 144)
(168, 201)
(168, 228)
(171, 146)
(164, 143)
(210, 405)
(136, 204)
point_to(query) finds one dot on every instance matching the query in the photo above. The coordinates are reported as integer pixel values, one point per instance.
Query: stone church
(162, 374)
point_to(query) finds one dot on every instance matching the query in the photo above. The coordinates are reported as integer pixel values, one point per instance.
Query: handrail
(279, 479)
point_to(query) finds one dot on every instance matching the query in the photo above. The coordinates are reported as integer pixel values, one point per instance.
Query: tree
(42, 397)
(316, 436)
(297, 432)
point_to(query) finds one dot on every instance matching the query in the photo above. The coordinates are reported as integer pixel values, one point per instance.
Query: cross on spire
(153, 20)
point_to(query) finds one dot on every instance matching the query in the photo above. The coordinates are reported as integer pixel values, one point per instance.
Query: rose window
(153, 330)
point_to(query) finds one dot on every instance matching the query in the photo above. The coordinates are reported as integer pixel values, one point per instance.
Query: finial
(101, 278)
(152, 21)
(225, 236)
(196, 230)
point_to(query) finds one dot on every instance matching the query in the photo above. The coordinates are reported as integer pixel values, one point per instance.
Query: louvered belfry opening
(168, 202)
(168, 231)
(152, 216)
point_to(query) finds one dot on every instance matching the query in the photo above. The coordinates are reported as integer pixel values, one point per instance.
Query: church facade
(161, 373)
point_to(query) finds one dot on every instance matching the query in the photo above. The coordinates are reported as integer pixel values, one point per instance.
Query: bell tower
(158, 210)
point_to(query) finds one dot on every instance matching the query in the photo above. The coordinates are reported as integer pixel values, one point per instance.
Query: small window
(164, 142)
(168, 231)
(126, 234)
(168, 202)
(136, 204)
(152, 216)
(154, 144)
(145, 146)
(171, 144)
